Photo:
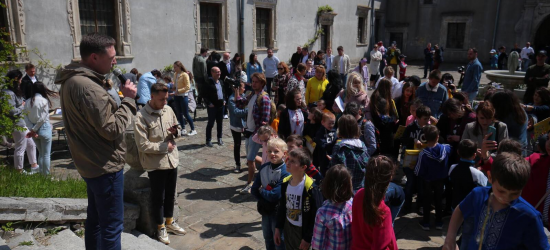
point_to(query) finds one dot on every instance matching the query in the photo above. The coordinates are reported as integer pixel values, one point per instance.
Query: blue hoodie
(144, 87)
(432, 163)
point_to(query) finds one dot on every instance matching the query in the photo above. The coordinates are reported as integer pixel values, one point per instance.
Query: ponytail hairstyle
(379, 172)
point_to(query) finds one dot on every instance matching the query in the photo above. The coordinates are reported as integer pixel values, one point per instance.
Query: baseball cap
(364, 60)
(493, 51)
(542, 53)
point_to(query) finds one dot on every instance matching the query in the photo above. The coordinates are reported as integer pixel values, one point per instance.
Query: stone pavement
(213, 212)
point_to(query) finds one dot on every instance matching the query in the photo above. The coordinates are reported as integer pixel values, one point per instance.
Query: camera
(232, 82)
(461, 69)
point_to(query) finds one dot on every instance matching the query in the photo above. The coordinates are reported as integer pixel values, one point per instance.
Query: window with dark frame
(263, 22)
(4, 28)
(377, 24)
(325, 37)
(210, 17)
(97, 16)
(456, 34)
(360, 30)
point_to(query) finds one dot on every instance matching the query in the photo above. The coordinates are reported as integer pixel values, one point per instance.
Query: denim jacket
(237, 116)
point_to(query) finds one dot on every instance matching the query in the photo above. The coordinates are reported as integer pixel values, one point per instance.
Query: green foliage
(168, 69)
(325, 8)
(80, 233)
(7, 55)
(54, 230)
(26, 243)
(310, 42)
(13, 183)
(8, 227)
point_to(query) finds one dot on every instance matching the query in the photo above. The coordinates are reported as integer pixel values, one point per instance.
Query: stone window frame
(15, 17)
(123, 31)
(224, 33)
(445, 20)
(363, 12)
(272, 6)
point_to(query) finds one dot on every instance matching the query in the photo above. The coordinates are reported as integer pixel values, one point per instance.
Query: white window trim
(455, 19)
(123, 24)
(224, 33)
(364, 12)
(272, 5)
(16, 26)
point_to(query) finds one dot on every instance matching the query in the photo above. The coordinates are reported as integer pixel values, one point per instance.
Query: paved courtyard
(213, 212)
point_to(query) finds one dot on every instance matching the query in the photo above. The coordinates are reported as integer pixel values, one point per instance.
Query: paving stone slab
(66, 240)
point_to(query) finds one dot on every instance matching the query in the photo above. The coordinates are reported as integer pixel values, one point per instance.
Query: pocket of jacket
(154, 133)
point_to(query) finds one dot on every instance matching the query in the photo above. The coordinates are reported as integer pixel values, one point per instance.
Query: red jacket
(535, 188)
(364, 236)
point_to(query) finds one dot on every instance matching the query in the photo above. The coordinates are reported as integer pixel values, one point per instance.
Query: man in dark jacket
(227, 68)
(28, 80)
(214, 100)
(428, 60)
(295, 59)
(95, 129)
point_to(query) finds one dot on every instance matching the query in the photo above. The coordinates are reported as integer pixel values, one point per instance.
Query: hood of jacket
(353, 144)
(438, 153)
(77, 69)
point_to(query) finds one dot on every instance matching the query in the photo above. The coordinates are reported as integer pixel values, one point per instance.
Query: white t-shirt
(33, 78)
(250, 124)
(526, 51)
(294, 203)
(396, 87)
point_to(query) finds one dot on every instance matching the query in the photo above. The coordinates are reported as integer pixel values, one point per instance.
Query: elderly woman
(310, 70)
(354, 92)
(280, 83)
(363, 70)
(316, 85)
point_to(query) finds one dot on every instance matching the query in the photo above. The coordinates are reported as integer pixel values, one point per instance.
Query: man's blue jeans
(525, 64)
(268, 229)
(105, 211)
(428, 66)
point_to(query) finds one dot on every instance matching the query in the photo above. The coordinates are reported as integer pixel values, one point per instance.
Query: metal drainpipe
(496, 24)
(371, 45)
(241, 35)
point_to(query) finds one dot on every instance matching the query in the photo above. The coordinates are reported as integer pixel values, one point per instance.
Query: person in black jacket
(228, 69)
(214, 99)
(333, 88)
(28, 80)
(295, 59)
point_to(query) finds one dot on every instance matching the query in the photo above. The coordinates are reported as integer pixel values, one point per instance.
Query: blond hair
(350, 90)
(277, 143)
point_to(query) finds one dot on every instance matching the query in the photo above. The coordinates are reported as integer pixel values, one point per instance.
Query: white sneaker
(35, 169)
(246, 190)
(175, 229)
(225, 117)
(193, 132)
(184, 132)
(163, 236)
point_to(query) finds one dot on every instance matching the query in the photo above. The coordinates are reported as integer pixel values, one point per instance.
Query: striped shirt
(332, 228)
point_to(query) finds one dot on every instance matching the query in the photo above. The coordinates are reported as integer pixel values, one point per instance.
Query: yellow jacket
(152, 136)
(182, 83)
(315, 89)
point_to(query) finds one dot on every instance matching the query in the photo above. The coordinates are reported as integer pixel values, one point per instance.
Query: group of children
(309, 188)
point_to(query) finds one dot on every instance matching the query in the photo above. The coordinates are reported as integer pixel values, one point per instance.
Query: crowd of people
(330, 151)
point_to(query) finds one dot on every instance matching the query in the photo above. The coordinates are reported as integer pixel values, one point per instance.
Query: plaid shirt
(353, 154)
(261, 116)
(333, 226)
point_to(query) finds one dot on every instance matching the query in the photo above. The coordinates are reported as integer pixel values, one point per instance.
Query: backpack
(376, 134)
(272, 110)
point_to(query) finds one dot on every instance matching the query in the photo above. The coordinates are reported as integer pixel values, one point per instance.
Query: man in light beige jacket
(156, 126)
(341, 63)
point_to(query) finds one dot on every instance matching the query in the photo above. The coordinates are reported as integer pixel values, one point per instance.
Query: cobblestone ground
(214, 214)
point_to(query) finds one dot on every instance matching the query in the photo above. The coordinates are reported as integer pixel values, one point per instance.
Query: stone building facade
(154, 34)
(459, 25)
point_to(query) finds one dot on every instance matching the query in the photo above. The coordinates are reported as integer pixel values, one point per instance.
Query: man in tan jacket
(156, 126)
(341, 63)
(95, 127)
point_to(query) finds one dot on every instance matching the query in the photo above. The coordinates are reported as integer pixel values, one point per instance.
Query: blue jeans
(268, 228)
(343, 77)
(104, 223)
(394, 199)
(182, 110)
(525, 64)
(44, 145)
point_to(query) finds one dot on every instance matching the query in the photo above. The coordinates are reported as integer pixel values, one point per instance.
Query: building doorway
(542, 37)
(396, 37)
(325, 37)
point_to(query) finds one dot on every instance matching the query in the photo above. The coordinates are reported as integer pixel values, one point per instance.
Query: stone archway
(542, 34)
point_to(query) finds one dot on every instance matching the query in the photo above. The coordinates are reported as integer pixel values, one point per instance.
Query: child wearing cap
(402, 67)
(494, 59)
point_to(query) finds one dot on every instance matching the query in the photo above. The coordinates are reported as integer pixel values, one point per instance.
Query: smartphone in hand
(493, 131)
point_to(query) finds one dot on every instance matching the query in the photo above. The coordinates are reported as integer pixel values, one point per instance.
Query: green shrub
(15, 184)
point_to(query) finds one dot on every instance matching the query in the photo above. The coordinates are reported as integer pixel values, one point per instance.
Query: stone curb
(42, 209)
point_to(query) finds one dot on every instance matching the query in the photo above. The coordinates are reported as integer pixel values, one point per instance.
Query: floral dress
(297, 81)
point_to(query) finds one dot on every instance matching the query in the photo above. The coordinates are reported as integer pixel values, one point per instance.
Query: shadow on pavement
(190, 146)
(240, 229)
(216, 194)
(206, 174)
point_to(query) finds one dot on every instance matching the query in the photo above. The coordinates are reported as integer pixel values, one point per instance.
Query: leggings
(237, 139)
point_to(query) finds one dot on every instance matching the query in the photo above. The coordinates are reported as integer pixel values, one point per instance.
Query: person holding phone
(156, 127)
(485, 124)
